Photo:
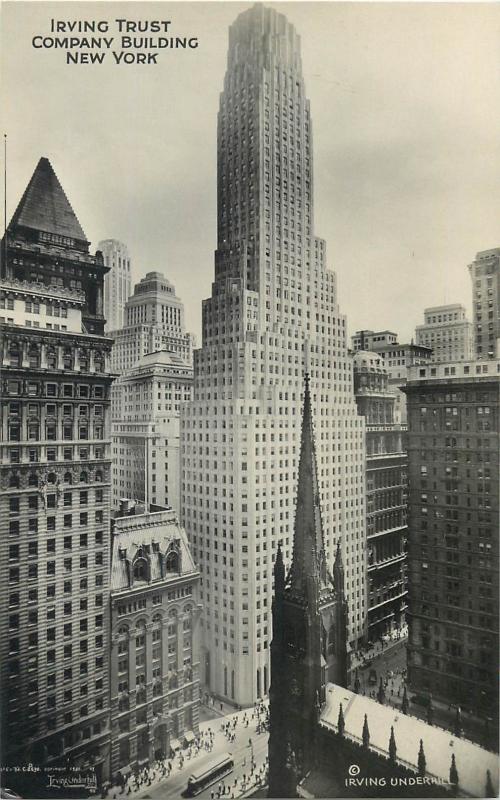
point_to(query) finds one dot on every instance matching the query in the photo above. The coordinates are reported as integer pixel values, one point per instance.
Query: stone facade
(453, 532)
(154, 622)
(55, 473)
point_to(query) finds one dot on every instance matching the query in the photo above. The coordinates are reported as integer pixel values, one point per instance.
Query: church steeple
(308, 572)
(308, 648)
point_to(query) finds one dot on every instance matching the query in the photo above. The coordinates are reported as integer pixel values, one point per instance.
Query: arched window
(68, 358)
(15, 355)
(84, 477)
(141, 570)
(68, 478)
(14, 480)
(172, 561)
(98, 476)
(33, 479)
(52, 477)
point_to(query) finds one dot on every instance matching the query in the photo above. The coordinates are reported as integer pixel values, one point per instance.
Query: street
(240, 749)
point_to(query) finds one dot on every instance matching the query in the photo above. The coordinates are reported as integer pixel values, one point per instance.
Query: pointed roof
(309, 560)
(45, 207)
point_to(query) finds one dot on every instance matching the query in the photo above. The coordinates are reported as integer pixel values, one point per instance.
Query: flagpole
(5, 202)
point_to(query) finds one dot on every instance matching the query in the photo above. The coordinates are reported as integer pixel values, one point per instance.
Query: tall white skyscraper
(117, 282)
(273, 314)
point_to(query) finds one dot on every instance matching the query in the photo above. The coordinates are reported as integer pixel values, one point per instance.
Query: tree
(357, 683)
(381, 691)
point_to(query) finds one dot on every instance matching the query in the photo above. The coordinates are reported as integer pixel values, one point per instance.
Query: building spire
(309, 560)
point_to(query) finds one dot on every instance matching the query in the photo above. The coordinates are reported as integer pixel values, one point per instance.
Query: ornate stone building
(154, 620)
(386, 495)
(55, 487)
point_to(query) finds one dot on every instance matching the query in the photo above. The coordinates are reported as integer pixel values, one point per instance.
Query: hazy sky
(405, 105)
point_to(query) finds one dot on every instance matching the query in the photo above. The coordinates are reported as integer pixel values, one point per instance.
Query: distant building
(370, 340)
(397, 359)
(117, 283)
(447, 332)
(55, 472)
(145, 412)
(154, 620)
(485, 275)
(154, 320)
(386, 496)
(453, 426)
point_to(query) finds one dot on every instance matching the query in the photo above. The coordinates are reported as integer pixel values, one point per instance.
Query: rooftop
(45, 207)
(472, 761)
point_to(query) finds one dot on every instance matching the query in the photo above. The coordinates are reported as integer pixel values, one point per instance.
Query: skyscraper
(485, 275)
(386, 490)
(273, 312)
(154, 320)
(453, 414)
(145, 410)
(117, 282)
(55, 479)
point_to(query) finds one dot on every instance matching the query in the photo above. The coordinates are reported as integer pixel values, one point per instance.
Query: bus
(212, 772)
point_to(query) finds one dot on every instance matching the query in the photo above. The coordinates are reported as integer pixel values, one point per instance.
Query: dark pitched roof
(309, 560)
(45, 207)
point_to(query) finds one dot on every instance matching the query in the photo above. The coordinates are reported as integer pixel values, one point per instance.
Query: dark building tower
(309, 647)
(55, 488)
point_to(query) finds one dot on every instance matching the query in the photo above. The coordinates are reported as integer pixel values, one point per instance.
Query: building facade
(55, 474)
(453, 455)
(398, 358)
(447, 332)
(145, 413)
(386, 496)
(154, 320)
(117, 282)
(485, 275)
(154, 621)
(273, 312)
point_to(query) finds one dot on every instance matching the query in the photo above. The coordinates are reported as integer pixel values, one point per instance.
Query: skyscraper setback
(272, 314)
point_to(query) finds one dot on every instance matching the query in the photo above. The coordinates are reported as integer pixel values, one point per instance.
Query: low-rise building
(154, 622)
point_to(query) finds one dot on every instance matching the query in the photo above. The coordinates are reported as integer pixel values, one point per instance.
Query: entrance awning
(125, 771)
(189, 737)
(175, 744)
